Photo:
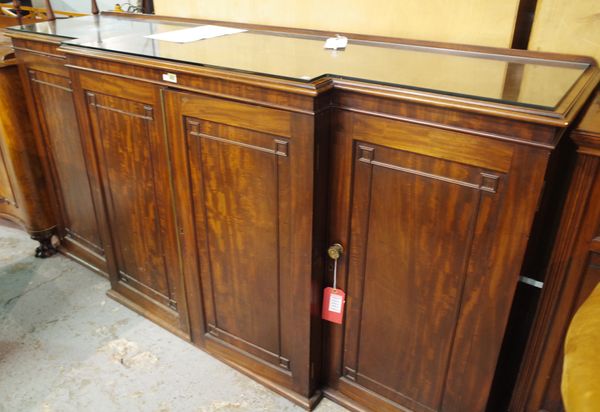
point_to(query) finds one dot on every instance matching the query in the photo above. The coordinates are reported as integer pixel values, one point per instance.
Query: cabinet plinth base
(308, 403)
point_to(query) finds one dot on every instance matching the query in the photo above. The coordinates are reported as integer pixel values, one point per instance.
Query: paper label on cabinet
(333, 305)
(169, 77)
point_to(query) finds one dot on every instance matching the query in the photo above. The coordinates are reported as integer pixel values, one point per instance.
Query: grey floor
(64, 346)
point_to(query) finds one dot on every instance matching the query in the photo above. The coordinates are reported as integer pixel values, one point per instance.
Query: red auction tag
(333, 305)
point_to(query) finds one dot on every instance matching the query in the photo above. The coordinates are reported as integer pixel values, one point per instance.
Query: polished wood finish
(213, 199)
(126, 128)
(193, 77)
(573, 272)
(49, 96)
(433, 259)
(237, 232)
(244, 195)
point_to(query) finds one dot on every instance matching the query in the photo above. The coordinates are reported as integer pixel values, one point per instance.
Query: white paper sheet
(195, 33)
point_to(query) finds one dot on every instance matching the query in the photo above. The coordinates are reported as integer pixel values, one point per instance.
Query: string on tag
(335, 274)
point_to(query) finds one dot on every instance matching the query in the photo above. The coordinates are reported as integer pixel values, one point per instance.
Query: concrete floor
(64, 346)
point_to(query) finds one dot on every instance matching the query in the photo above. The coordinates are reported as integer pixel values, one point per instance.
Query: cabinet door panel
(413, 220)
(243, 177)
(240, 181)
(435, 243)
(134, 173)
(56, 112)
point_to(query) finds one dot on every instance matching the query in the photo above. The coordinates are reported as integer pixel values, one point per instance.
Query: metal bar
(531, 282)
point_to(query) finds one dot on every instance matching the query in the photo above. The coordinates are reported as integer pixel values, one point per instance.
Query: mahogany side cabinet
(23, 187)
(208, 178)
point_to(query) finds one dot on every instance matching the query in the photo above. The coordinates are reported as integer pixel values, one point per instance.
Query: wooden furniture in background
(27, 15)
(573, 272)
(23, 190)
(147, 6)
(205, 201)
(13, 16)
(580, 383)
(17, 10)
(49, 10)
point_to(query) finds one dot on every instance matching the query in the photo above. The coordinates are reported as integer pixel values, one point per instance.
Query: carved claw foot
(46, 248)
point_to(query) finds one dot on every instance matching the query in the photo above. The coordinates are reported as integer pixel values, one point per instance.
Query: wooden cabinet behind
(244, 181)
(23, 192)
(125, 125)
(12, 113)
(437, 222)
(50, 100)
(573, 272)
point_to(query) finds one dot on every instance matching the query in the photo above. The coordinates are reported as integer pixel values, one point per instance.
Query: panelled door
(243, 178)
(47, 82)
(127, 133)
(435, 233)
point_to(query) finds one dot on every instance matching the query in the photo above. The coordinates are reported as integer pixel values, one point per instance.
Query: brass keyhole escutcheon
(335, 251)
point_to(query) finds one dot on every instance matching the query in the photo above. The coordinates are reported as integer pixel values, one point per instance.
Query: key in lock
(335, 251)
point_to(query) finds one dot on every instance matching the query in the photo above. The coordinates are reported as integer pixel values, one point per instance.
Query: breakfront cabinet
(215, 174)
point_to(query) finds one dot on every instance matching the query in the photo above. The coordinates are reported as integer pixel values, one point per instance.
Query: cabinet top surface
(535, 81)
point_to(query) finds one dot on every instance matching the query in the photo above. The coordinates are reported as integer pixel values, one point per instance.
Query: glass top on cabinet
(531, 82)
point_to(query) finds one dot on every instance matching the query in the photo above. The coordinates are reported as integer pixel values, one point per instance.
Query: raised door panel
(53, 97)
(413, 222)
(244, 177)
(435, 240)
(134, 172)
(241, 185)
